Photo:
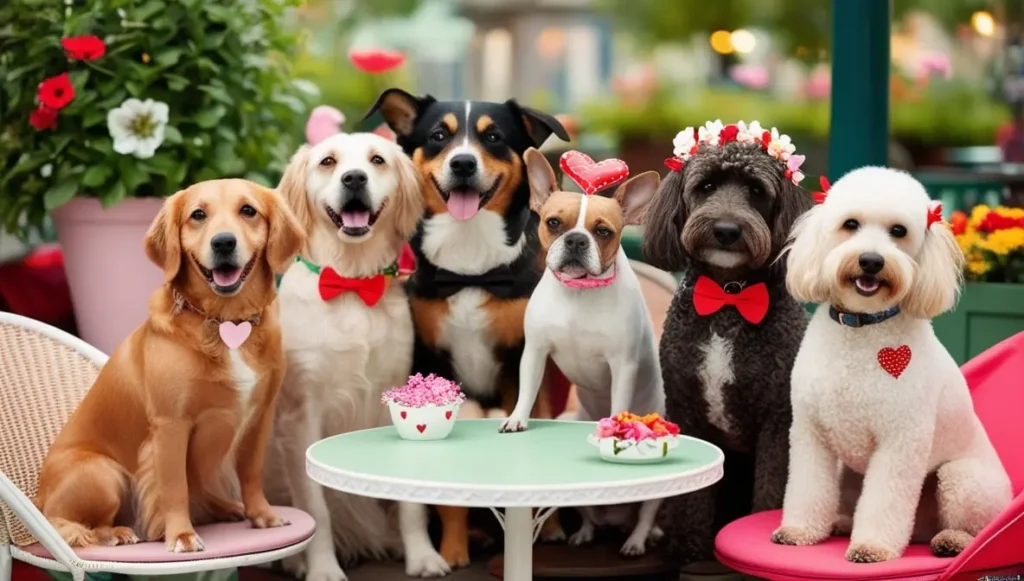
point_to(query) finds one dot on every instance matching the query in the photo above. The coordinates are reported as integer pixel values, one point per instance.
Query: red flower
(84, 48)
(766, 138)
(674, 163)
(43, 118)
(56, 92)
(728, 134)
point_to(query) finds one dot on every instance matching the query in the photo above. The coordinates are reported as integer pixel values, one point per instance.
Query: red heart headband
(591, 176)
(934, 207)
(713, 134)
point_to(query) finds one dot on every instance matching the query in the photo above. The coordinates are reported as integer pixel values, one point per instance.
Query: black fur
(742, 184)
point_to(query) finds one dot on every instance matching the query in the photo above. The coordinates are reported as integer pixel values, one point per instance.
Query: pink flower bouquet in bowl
(631, 439)
(424, 408)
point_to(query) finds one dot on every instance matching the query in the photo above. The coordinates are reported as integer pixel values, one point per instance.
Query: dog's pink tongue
(355, 219)
(226, 277)
(463, 204)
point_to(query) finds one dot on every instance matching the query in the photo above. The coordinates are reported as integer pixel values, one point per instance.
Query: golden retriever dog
(348, 336)
(177, 417)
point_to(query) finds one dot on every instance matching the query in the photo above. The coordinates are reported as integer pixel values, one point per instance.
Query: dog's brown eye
(247, 210)
(707, 186)
(377, 160)
(198, 215)
(438, 136)
(554, 223)
(327, 161)
(898, 231)
(851, 224)
(492, 137)
(603, 232)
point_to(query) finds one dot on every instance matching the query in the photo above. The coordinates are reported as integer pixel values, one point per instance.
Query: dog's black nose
(727, 233)
(354, 178)
(463, 165)
(576, 242)
(871, 262)
(223, 243)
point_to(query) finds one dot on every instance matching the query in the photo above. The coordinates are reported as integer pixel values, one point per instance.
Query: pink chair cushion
(745, 545)
(221, 540)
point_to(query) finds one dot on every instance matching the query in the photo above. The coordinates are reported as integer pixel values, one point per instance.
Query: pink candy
(421, 391)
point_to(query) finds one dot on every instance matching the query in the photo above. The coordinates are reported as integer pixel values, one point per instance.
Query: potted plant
(108, 106)
(991, 307)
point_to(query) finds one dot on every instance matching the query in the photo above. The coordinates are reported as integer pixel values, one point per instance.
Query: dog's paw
(950, 542)
(325, 570)
(551, 531)
(185, 542)
(582, 536)
(795, 536)
(514, 424)
(266, 519)
(869, 553)
(426, 562)
(655, 535)
(455, 553)
(634, 546)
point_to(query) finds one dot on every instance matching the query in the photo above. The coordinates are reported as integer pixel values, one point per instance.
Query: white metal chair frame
(64, 557)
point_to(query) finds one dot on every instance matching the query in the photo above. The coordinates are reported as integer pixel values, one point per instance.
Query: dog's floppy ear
(410, 205)
(162, 243)
(539, 125)
(540, 176)
(804, 256)
(634, 195)
(286, 236)
(400, 109)
(663, 225)
(791, 203)
(938, 276)
(293, 188)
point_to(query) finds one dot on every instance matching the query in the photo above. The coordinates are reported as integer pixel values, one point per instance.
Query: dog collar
(861, 319)
(181, 303)
(390, 270)
(370, 289)
(589, 282)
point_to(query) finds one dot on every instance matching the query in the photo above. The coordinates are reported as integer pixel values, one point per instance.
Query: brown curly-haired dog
(725, 217)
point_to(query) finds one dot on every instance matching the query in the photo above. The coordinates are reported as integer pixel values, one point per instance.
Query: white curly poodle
(885, 445)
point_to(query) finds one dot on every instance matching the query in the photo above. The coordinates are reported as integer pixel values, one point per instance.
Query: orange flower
(959, 222)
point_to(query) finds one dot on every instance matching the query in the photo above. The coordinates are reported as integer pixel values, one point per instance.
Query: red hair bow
(819, 197)
(934, 213)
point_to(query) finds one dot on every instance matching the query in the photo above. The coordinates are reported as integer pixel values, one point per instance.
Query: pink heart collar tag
(234, 335)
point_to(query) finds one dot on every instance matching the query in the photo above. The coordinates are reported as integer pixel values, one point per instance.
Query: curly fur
(726, 380)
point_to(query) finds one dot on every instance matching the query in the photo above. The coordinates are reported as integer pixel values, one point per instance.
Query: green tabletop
(550, 464)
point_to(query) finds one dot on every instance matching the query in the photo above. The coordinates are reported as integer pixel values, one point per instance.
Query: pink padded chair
(996, 379)
(44, 373)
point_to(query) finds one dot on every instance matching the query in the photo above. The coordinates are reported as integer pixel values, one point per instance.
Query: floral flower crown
(688, 141)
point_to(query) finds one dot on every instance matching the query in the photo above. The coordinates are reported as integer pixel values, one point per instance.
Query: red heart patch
(591, 176)
(403, 414)
(421, 427)
(894, 361)
(448, 415)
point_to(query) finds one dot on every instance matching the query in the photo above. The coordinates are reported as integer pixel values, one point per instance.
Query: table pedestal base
(519, 530)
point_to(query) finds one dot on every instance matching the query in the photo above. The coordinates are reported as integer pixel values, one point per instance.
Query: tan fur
(510, 173)
(426, 168)
(293, 188)
(164, 414)
(939, 275)
(429, 316)
(484, 123)
(451, 123)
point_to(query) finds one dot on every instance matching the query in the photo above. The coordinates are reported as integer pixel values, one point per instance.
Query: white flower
(709, 133)
(46, 171)
(798, 176)
(138, 127)
(755, 129)
(781, 146)
(683, 143)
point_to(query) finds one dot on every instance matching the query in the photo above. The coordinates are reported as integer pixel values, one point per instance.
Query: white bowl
(633, 452)
(425, 423)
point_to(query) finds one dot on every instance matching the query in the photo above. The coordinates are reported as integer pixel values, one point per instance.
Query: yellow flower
(1014, 213)
(977, 267)
(968, 240)
(978, 214)
(1003, 242)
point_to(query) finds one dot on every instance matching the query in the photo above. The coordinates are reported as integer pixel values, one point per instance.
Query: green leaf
(60, 194)
(93, 116)
(169, 58)
(171, 135)
(176, 82)
(132, 176)
(217, 93)
(207, 118)
(96, 175)
(134, 89)
(114, 195)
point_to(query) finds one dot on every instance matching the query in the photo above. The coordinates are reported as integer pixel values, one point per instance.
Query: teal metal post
(859, 133)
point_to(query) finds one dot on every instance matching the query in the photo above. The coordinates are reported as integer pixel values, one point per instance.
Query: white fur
(471, 246)
(716, 372)
(849, 411)
(342, 354)
(465, 335)
(602, 339)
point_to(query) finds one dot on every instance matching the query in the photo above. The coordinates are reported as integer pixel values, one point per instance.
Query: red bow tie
(751, 302)
(369, 289)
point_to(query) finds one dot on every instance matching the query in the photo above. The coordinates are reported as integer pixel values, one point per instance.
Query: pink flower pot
(110, 277)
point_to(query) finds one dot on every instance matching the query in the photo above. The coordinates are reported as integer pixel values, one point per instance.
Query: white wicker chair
(44, 373)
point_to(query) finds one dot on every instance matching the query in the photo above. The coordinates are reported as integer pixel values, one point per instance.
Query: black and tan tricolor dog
(478, 257)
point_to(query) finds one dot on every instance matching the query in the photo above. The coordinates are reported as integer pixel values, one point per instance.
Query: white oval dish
(633, 452)
(429, 422)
